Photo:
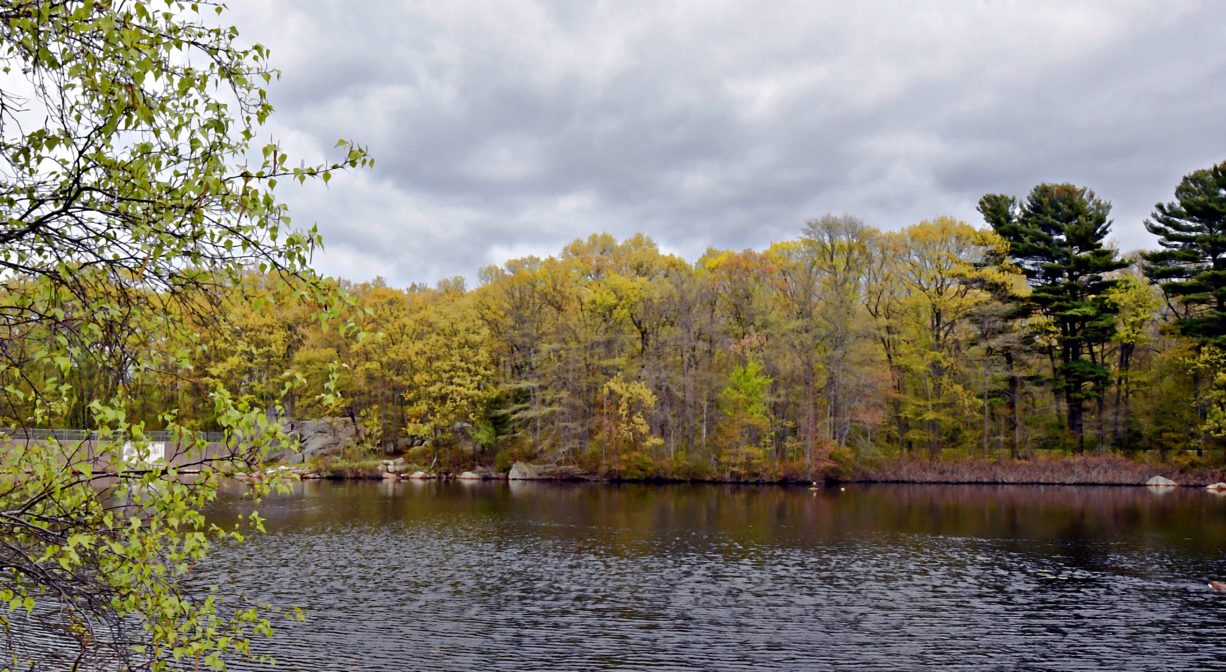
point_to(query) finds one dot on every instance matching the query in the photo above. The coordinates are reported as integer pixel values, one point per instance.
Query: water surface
(497, 576)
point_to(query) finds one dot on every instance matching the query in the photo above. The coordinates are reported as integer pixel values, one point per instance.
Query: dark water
(429, 576)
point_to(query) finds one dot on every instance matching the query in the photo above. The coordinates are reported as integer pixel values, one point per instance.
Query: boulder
(308, 439)
(470, 476)
(1160, 482)
(486, 473)
(396, 466)
(523, 472)
(420, 476)
(325, 437)
(1218, 487)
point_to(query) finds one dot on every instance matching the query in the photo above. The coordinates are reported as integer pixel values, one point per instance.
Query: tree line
(1027, 333)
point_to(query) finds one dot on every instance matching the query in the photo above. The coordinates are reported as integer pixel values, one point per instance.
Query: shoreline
(1040, 471)
(1198, 483)
(784, 483)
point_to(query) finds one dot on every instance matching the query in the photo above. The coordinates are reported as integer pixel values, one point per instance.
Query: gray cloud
(509, 128)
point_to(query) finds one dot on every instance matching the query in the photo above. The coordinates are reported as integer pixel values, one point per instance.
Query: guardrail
(93, 434)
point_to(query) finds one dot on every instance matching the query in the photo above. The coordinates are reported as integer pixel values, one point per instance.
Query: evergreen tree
(1056, 238)
(1191, 267)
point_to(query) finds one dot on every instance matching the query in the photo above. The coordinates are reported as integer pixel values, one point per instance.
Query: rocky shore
(1070, 471)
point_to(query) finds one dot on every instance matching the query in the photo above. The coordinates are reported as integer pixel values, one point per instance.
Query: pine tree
(1056, 238)
(1191, 267)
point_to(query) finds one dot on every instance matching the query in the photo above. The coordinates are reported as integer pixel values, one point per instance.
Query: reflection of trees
(627, 519)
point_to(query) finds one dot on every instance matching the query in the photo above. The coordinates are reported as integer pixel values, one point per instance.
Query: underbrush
(1055, 470)
(340, 468)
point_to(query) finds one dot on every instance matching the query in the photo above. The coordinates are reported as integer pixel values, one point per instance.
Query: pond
(498, 576)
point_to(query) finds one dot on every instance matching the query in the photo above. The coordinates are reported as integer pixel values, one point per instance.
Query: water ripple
(491, 577)
(712, 578)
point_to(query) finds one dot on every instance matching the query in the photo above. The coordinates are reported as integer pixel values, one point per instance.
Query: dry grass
(1083, 470)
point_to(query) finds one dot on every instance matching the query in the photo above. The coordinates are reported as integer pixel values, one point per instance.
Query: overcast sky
(504, 128)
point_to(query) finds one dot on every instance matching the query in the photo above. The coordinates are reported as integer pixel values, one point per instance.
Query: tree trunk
(1126, 407)
(1015, 442)
(1200, 414)
(1055, 390)
(986, 408)
(934, 425)
(1101, 448)
(1076, 408)
(810, 416)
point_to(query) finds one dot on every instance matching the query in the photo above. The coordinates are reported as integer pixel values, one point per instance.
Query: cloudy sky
(506, 128)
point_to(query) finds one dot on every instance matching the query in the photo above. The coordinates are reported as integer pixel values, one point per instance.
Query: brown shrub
(1078, 470)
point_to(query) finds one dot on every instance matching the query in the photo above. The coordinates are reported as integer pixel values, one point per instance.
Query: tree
(1191, 271)
(129, 203)
(840, 246)
(629, 432)
(942, 270)
(746, 420)
(1003, 337)
(1191, 267)
(884, 294)
(383, 365)
(452, 382)
(798, 302)
(1136, 303)
(1056, 237)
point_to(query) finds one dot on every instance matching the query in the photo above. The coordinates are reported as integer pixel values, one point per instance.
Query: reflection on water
(399, 576)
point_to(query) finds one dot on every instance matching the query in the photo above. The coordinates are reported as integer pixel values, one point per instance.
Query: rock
(1161, 482)
(470, 476)
(396, 466)
(522, 472)
(420, 476)
(391, 476)
(1218, 487)
(286, 470)
(486, 473)
(536, 472)
(325, 437)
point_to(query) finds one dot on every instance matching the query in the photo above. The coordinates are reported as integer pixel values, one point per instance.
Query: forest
(1025, 334)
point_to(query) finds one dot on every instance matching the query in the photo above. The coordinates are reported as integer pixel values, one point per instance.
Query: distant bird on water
(1218, 586)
